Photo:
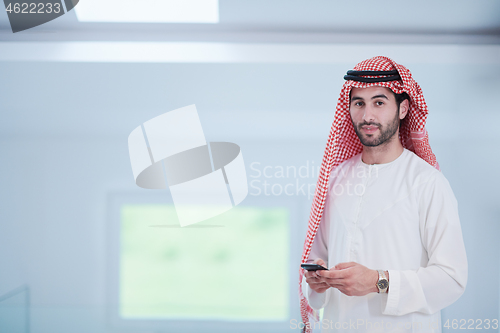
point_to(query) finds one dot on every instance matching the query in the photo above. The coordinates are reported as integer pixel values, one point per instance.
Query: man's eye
(358, 103)
(379, 103)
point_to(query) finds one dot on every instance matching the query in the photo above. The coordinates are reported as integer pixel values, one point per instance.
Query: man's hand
(350, 278)
(314, 281)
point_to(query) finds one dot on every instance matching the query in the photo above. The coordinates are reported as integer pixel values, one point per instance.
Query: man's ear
(403, 108)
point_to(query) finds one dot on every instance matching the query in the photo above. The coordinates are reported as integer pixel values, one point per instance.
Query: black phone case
(313, 267)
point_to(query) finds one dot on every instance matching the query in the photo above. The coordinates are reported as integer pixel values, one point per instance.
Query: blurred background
(83, 249)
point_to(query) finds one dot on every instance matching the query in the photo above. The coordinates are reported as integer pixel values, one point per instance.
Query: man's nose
(369, 113)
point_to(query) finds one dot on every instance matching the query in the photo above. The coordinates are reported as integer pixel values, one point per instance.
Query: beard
(386, 132)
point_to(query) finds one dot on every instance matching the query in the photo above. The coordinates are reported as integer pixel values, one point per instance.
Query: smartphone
(313, 267)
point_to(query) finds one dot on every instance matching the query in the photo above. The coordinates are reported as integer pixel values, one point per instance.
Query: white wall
(63, 148)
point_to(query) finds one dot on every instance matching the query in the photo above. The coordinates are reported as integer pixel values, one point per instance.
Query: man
(384, 219)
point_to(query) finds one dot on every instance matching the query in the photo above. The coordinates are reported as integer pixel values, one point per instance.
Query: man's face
(375, 114)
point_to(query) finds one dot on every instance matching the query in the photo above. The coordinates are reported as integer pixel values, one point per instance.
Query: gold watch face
(383, 284)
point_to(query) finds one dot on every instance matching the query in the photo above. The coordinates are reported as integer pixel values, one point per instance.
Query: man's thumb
(319, 262)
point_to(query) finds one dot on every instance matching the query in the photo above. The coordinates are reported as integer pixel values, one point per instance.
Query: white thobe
(400, 217)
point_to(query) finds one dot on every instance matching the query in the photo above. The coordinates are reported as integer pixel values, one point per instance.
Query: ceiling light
(148, 11)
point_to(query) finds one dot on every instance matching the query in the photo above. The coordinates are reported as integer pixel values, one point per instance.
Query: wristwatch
(382, 283)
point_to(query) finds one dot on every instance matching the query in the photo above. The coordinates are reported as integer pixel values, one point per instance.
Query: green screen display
(231, 267)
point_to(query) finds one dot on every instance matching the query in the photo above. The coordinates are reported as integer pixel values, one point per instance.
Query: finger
(320, 261)
(331, 274)
(313, 280)
(334, 280)
(312, 274)
(318, 284)
(309, 274)
(344, 265)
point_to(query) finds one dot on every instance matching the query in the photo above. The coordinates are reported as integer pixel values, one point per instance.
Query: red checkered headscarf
(343, 143)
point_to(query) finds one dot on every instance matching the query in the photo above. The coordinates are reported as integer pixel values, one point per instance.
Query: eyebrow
(376, 96)
(380, 96)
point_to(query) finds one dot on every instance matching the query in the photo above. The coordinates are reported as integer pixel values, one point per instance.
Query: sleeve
(439, 284)
(319, 250)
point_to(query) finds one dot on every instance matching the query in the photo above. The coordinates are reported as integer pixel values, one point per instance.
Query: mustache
(369, 124)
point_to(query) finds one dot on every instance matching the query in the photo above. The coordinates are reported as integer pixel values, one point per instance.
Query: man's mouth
(369, 129)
